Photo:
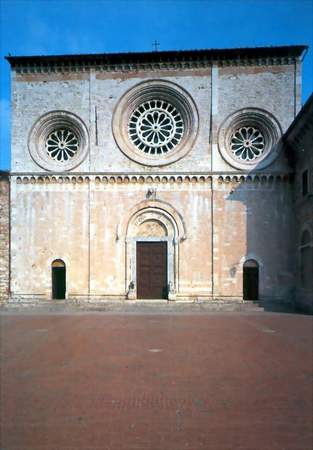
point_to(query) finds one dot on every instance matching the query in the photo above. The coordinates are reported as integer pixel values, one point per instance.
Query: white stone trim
(175, 230)
(172, 275)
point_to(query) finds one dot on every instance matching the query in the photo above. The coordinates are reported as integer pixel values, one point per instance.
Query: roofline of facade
(265, 55)
(296, 126)
(295, 135)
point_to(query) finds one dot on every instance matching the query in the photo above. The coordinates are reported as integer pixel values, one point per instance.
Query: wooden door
(251, 283)
(151, 260)
(58, 282)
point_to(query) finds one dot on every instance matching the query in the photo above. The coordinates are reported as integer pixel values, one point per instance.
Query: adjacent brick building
(298, 144)
(154, 175)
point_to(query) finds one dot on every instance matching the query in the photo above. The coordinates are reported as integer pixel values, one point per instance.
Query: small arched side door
(58, 279)
(251, 280)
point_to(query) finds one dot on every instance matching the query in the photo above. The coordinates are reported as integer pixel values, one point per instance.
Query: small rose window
(62, 144)
(58, 141)
(247, 143)
(249, 138)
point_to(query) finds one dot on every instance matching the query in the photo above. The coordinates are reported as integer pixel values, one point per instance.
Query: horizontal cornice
(184, 59)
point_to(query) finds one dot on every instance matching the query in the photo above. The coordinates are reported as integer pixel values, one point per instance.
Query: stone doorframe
(154, 221)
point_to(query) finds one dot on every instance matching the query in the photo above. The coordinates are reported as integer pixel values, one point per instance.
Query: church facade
(161, 175)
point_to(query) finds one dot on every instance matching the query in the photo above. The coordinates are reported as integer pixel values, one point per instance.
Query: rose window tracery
(155, 123)
(247, 143)
(249, 138)
(58, 141)
(62, 144)
(155, 127)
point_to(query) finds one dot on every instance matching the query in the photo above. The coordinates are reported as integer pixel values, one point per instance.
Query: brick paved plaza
(156, 381)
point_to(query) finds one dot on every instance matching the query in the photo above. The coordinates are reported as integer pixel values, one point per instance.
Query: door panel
(58, 282)
(151, 259)
(250, 283)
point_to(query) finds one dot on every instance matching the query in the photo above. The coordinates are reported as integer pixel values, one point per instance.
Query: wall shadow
(267, 196)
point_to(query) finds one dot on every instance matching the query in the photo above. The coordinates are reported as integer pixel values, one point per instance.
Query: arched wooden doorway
(251, 280)
(58, 279)
(151, 237)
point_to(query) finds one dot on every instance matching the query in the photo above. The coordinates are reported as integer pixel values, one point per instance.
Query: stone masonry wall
(4, 237)
(253, 220)
(75, 217)
(80, 222)
(298, 147)
(303, 205)
(94, 96)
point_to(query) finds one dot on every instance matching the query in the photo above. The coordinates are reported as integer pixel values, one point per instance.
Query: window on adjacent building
(305, 183)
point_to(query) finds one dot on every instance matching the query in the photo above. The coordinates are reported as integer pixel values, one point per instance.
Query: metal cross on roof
(156, 44)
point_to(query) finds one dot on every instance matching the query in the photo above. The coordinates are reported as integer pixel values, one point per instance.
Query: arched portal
(152, 236)
(58, 279)
(251, 280)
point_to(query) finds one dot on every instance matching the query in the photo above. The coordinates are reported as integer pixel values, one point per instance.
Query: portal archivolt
(150, 222)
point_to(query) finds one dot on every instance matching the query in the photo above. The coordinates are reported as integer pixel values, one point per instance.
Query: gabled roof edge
(162, 56)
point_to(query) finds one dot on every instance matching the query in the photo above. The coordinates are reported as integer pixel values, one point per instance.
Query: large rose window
(156, 127)
(155, 123)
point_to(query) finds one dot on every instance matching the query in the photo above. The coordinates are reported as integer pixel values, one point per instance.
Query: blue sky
(43, 27)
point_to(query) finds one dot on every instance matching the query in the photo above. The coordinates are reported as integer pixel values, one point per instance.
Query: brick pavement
(212, 381)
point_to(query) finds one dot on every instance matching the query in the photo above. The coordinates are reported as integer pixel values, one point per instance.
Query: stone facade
(214, 210)
(4, 236)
